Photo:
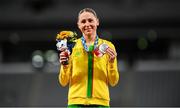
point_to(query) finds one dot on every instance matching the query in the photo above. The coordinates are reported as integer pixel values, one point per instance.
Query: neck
(90, 38)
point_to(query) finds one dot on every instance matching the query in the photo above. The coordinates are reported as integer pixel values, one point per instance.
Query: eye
(83, 21)
(90, 20)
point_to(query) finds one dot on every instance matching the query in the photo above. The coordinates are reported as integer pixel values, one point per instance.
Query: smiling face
(88, 23)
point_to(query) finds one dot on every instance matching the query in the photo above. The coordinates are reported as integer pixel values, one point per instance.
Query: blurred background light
(37, 59)
(174, 51)
(51, 56)
(142, 43)
(14, 38)
(152, 35)
(123, 65)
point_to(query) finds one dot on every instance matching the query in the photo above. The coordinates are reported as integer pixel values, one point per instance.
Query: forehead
(86, 15)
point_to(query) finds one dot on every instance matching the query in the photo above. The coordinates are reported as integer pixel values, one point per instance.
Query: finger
(62, 53)
(65, 53)
(63, 48)
(63, 60)
(63, 57)
(112, 58)
(111, 52)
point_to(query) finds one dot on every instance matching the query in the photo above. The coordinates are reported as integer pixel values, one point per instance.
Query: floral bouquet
(65, 42)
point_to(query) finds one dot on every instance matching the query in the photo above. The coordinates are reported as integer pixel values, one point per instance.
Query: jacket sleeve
(113, 75)
(65, 73)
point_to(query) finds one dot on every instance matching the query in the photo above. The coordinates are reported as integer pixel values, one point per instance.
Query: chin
(89, 34)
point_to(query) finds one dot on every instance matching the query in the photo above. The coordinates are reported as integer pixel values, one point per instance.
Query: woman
(89, 75)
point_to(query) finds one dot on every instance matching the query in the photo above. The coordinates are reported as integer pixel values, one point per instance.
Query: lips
(88, 30)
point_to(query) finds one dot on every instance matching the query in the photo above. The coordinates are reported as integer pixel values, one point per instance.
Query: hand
(64, 57)
(112, 54)
(63, 49)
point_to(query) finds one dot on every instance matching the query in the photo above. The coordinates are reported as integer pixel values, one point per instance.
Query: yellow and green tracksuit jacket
(89, 87)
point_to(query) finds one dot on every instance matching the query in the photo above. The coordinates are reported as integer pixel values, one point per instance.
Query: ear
(78, 24)
(97, 22)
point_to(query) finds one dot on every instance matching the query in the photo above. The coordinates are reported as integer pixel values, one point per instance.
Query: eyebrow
(87, 18)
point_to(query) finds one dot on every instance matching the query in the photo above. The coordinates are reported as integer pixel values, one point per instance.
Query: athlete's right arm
(65, 70)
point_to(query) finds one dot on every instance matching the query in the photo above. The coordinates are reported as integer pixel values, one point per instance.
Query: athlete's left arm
(113, 74)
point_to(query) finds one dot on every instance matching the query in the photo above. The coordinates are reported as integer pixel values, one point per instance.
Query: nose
(87, 24)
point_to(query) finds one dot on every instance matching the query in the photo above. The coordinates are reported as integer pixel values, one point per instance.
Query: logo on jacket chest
(77, 54)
